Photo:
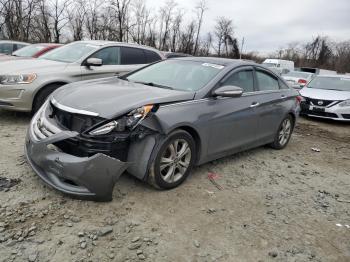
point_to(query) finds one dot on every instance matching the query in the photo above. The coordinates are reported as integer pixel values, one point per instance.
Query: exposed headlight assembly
(17, 79)
(345, 103)
(130, 121)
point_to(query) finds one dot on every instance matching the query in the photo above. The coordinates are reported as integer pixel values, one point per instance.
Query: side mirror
(228, 91)
(93, 62)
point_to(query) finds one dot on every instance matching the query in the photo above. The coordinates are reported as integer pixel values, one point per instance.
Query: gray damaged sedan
(157, 123)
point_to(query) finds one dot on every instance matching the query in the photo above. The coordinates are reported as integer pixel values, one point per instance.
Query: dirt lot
(289, 205)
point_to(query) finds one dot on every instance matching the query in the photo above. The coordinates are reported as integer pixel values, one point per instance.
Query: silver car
(298, 79)
(25, 84)
(327, 97)
(157, 123)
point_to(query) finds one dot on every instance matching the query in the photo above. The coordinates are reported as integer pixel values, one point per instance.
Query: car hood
(325, 94)
(32, 65)
(112, 97)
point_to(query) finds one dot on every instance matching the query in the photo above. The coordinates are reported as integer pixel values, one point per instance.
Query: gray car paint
(221, 126)
(112, 97)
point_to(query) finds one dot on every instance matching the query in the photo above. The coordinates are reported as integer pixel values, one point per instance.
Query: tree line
(117, 20)
(166, 28)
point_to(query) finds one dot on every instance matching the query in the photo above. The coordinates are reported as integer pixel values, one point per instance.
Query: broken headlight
(129, 121)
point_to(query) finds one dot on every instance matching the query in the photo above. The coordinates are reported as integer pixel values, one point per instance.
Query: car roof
(115, 43)
(48, 44)
(302, 72)
(335, 76)
(14, 42)
(217, 60)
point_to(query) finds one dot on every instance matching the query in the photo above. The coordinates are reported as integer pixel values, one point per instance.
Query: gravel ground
(289, 205)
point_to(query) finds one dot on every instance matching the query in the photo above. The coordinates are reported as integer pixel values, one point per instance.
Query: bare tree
(201, 7)
(42, 31)
(342, 57)
(121, 8)
(92, 16)
(176, 30)
(76, 16)
(223, 29)
(59, 17)
(166, 14)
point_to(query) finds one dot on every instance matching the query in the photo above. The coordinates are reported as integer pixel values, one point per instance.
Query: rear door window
(6, 48)
(266, 81)
(18, 46)
(152, 56)
(243, 79)
(109, 55)
(132, 56)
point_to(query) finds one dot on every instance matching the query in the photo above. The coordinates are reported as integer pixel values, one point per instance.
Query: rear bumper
(91, 178)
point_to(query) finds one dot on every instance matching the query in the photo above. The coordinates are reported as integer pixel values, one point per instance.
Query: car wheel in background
(174, 161)
(284, 133)
(42, 95)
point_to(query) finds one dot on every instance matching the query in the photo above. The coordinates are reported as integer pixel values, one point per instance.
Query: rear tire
(42, 95)
(174, 161)
(284, 133)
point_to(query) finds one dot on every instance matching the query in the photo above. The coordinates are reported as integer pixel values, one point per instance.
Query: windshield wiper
(153, 84)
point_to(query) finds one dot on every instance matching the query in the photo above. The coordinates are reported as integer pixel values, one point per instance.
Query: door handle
(254, 104)
(283, 96)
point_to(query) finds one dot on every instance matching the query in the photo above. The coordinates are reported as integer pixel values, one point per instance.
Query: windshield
(177, 74)
(298, 74)
(70, 53)
(29, 51)
(330, 83)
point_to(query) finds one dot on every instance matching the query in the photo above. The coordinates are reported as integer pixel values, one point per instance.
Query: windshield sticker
(213, 65)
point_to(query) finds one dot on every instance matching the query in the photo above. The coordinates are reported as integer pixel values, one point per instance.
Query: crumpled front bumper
(91, 178)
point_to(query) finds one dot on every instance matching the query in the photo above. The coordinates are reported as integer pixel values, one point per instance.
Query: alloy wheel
(175, 160)
(285, 132)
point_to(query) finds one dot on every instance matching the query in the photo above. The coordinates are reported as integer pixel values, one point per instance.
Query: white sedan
(327, 97)
(298, 79)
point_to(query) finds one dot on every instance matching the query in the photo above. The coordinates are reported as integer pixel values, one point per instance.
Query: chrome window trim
(72, 110)
(210, 98)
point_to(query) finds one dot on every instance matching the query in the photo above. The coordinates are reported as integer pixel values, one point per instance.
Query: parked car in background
(279, 65)
(8, 47)
(157, 123)
(298, 79)
(25, 86)
(316, 71)
(169, 55)
(30, 51)
(327, 97)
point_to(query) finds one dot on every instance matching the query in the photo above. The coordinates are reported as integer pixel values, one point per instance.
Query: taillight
(302, 81)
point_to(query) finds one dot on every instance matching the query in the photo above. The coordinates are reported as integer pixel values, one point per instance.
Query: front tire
(43, 94)
(284, 133)
(174, 161)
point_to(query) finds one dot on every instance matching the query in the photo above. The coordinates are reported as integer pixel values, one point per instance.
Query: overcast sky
(270, 24)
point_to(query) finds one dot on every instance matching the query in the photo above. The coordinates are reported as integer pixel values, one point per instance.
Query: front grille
(81, 147)
(323, 114)
(42, 128)
(315, 102)
(73, 122)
